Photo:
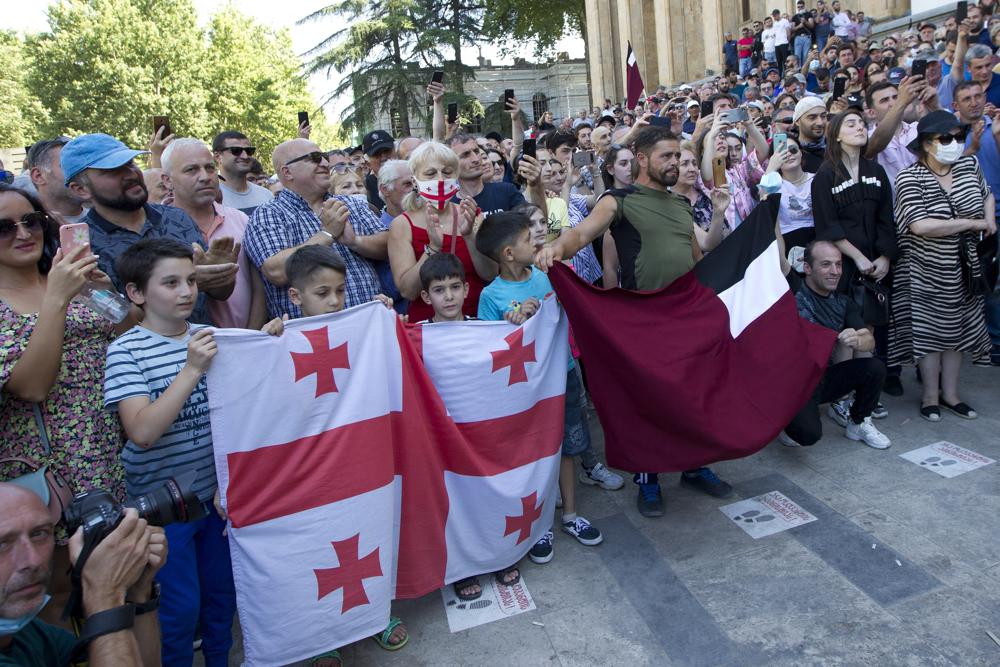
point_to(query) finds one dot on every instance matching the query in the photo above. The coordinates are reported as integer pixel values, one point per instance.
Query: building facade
(680, 40)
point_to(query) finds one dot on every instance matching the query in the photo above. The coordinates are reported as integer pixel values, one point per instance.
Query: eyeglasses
(33, 222)
(239, 150)
(315, 157)
(946, 139)
(344, 167)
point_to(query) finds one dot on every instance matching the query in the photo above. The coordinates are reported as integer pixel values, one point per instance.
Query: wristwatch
(323, 231)
(152, 603)
(429, 251)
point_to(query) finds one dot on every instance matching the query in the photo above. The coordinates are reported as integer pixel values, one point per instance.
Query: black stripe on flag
(727, 264)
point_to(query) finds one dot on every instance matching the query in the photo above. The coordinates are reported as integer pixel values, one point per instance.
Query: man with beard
(121, 567)
(101, 171)
(653, 229)
(234, 154)
(810, 118)
(47, 177)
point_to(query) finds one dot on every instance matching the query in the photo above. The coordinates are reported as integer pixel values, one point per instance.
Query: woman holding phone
(52, 365)
(795, 214)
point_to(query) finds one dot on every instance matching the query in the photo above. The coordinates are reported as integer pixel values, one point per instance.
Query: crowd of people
(884, 156)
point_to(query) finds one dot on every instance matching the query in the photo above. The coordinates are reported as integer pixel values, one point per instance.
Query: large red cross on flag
(361, 462)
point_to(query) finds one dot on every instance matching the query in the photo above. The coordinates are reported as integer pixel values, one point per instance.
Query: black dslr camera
(99, 513)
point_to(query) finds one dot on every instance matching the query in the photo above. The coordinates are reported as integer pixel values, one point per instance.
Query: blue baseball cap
(94, 151)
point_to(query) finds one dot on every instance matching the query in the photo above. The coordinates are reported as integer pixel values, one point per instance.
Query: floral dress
(86, 439)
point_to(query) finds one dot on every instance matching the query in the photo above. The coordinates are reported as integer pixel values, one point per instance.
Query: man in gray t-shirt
(234, 154)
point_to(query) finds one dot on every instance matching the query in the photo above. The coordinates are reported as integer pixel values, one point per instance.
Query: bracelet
(107, 621)
(429, 251)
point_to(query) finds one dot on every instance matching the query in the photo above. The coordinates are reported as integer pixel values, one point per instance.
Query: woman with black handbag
(943, 206)
(852, 207)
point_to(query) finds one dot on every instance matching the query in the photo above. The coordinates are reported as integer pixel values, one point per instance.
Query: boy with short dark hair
(444, 288)
(515, 295)
(154, 378)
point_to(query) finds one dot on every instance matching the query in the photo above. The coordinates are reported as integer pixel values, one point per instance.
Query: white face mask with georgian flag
(438, 193)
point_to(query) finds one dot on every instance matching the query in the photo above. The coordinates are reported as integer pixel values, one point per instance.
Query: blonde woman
(433, 221)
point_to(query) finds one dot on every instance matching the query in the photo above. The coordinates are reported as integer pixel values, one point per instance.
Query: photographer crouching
(118, 597)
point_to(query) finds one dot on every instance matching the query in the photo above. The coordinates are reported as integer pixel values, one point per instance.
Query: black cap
(377, 140)
(936, 122)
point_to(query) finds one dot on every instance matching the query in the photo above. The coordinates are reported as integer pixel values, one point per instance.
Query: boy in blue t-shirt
(155, 379)
(515, 296)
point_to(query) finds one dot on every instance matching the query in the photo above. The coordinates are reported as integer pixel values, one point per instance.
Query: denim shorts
(576, 434)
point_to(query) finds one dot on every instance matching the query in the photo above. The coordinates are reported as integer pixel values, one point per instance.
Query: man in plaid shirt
(304, 213)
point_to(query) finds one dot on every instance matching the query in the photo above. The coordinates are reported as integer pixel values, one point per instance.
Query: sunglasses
(345, 167)
(946, 139)
(792, 150)
(239, 150)
(315, 157)
(33, 222)
(783, 121)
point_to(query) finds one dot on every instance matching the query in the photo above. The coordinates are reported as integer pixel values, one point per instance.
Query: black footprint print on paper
(754, 516)
(937, 462)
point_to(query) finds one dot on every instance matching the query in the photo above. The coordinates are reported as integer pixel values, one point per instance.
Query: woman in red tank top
(431, 223)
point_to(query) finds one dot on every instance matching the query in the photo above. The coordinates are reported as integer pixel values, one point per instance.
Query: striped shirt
(286, 222)
(143, 363)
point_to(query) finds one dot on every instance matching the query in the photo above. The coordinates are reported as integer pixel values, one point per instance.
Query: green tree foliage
(514, 23)
(378, 48)
(20, 112)
(109, 65)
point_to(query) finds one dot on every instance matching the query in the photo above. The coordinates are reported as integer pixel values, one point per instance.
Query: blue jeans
(801, 46)
(745, 65)
(197, 590)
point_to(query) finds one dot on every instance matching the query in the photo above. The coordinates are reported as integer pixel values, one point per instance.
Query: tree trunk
(400, 89)
(456, 44)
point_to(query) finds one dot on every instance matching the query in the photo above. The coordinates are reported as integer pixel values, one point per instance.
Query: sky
(29, 16)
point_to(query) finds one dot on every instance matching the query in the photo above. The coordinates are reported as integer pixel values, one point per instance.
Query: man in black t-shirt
(819, 302)
(378, 146)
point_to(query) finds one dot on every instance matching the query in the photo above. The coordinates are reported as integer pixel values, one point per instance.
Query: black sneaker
(705, 480)
(892, 386)
(542, 551)
(650, 500)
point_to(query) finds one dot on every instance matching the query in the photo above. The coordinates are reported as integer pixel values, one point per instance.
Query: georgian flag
(355, 471)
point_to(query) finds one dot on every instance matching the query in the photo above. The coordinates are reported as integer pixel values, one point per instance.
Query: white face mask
(438, 193)
(11, 626)
(949, 154)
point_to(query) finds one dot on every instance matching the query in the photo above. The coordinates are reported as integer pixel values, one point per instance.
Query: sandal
(329, 655)
(931, 413)
(382, 639)
(502, 576)
(961, 409)
(468, 582)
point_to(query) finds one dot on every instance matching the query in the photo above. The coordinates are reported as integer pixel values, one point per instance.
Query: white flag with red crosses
(360, 461)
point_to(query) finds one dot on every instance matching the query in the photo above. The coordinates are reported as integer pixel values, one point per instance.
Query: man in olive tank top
(653, 229)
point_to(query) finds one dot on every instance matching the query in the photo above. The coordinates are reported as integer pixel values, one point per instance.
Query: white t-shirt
(782, 28)
(795, 210)
(245, 201)
(768, 38)
(841, 24)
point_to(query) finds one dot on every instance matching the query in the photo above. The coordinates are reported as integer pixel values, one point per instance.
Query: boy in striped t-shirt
(154, 378)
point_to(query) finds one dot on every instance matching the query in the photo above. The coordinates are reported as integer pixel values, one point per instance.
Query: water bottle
(105, 302)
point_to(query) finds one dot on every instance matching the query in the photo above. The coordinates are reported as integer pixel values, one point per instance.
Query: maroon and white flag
(633, 80)
(360, 461)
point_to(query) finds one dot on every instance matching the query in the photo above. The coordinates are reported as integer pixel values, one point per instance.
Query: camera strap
(104, 623)
(74, 606)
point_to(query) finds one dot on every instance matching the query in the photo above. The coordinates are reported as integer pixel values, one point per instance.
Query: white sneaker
(599, 475)
(868, 434)
(840, 411)
(786, 440)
